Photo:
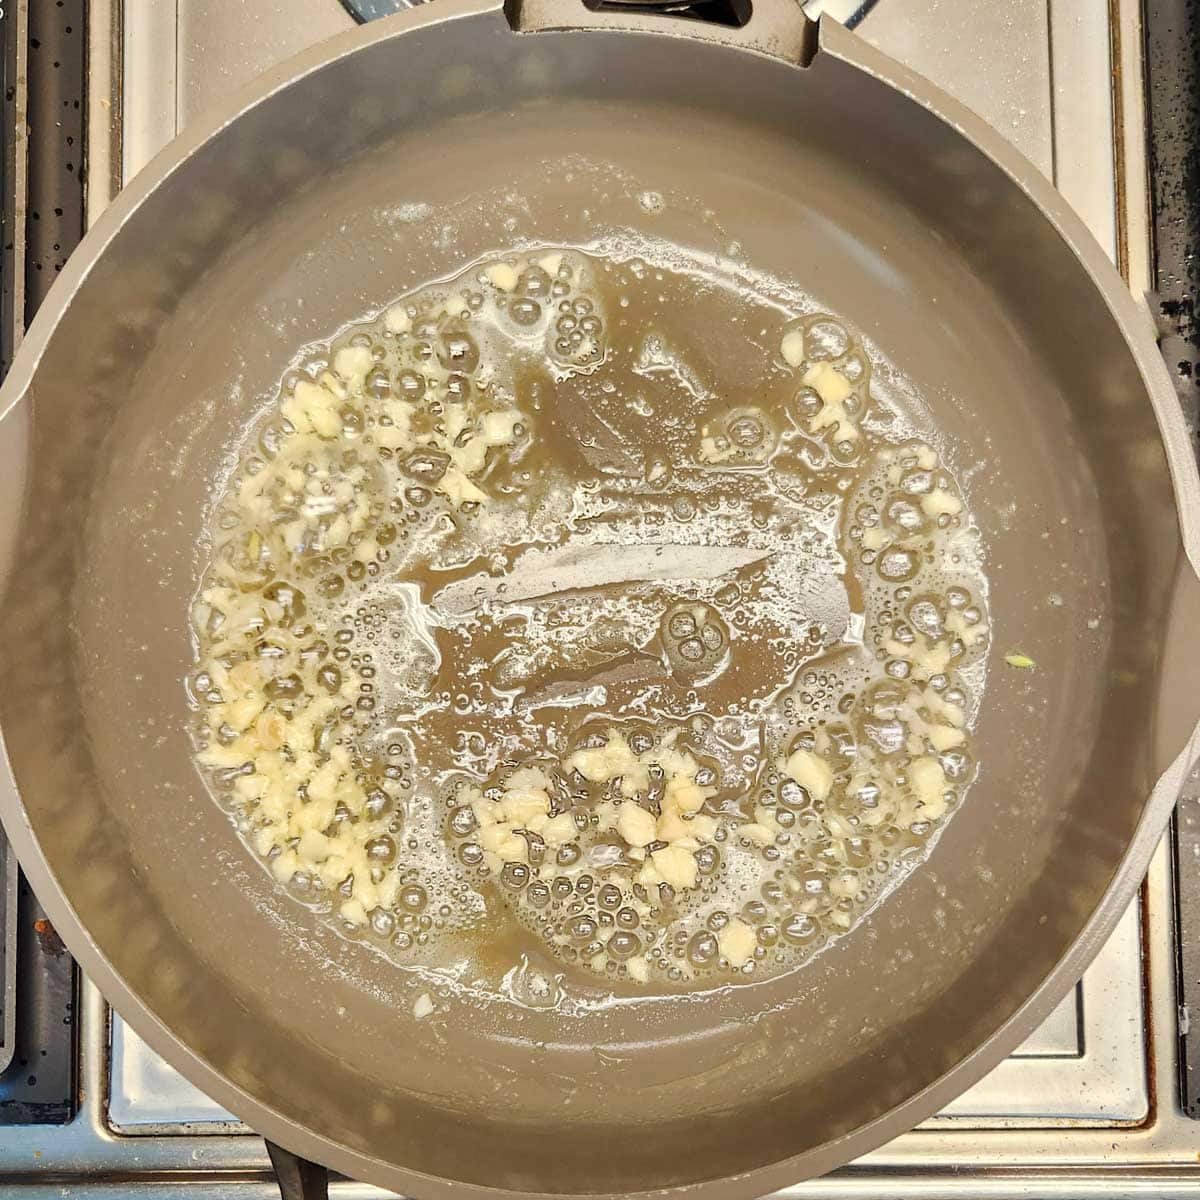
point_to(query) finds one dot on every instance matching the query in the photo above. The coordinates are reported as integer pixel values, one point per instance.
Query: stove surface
(1089, 1104)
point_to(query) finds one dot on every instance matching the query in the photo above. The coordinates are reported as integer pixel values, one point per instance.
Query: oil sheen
(593, 610)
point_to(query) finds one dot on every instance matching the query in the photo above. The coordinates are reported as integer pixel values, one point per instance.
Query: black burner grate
(43, 220)
(370, 10)
(1173, 83)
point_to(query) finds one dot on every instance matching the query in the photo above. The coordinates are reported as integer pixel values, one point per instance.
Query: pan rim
(1137, 332)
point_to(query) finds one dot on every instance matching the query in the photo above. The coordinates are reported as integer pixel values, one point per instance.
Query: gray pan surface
(261, 230)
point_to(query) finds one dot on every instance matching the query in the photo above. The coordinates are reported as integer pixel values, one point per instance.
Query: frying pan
(270, 225)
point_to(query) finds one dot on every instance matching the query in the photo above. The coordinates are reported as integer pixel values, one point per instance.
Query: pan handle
(779, 28)
(298, 1178)
(851, 13)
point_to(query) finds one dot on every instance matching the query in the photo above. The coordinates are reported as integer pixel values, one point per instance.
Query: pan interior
(298, 218)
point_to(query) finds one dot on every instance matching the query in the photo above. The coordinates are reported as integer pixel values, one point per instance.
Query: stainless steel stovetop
(1090, 1104)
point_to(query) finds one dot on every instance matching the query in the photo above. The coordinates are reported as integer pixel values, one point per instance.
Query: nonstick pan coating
(269, 229)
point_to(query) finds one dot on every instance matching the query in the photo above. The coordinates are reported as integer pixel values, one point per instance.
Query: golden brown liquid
(672, 542)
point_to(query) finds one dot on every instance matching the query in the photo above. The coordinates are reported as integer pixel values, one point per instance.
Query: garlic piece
(498, 428)
(459, 489)
(927, 660)
(397, 320)
(834, 390)
(312, 408)
(635, 824)
(559, 830)
(928, 783)
(757, 833)
(613, 760)
(506, 845)
(520, 806)
(502, 276)
(352, 363)
(677, 866)
(671, 826)
(638, 968)
(737, 941)
(271, 730)
(811, 772)
(939, 502)
(969, 633)
(791, 348)
(685, 794)
(943, 737)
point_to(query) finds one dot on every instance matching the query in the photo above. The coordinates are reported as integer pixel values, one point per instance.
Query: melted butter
(556, 620)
